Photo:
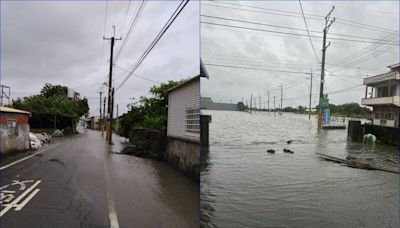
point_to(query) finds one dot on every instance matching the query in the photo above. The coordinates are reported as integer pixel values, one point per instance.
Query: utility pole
(4, 94)
(101, 93)
(274, 107)
(268, 102)
(251, 102)
(309, 104)
(112, 111)
(117, 125)
(110, 90)
(281, 99)
(104, 109)
(259, 101)
(328, 24)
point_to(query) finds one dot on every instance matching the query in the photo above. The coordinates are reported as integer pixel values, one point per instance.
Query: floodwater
(150, 193)
(244, 186)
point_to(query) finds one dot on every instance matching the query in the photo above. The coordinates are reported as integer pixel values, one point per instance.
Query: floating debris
(356, 164)
(271, 151)
(288, 151)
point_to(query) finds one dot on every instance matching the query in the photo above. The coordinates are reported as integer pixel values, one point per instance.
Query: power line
(268, 9)
(290, 14)
(365, 52)
(133, 23)
(139, 76)
(295, 34)
(126, 17)
(155, 41)
(285, 27)
(253, 68)
(102, 47)
(308, 32)
(255, 11)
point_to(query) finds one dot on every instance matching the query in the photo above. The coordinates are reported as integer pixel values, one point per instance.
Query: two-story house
(382, 93)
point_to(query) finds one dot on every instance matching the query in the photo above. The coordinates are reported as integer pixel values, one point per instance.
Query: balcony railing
(395, 100)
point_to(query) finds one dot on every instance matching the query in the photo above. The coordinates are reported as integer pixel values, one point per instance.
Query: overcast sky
(62, 43)
(258, 49)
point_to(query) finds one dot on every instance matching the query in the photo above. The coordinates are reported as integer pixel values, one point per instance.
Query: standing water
(244, 186)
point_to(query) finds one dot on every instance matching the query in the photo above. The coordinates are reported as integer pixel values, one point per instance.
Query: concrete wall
(388, 135)
(184, 155)
(14, 143)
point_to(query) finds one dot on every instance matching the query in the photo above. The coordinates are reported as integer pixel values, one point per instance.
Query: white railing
(395, 100)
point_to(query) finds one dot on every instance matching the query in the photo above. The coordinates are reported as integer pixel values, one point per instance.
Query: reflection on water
(244, 186)
(155, 194)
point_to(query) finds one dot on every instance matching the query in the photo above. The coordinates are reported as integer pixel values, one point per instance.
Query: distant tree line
(348, 109)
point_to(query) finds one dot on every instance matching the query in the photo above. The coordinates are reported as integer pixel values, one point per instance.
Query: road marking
(27, 157)
(112, 211)
(15, 202)
(23, 203)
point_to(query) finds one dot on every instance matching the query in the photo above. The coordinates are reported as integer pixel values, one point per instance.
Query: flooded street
(80, 181)
(244, 186)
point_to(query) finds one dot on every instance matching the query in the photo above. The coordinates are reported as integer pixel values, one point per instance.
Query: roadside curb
(29, 156)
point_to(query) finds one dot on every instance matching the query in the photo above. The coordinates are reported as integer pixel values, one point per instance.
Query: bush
(67, 131)
(142, 145)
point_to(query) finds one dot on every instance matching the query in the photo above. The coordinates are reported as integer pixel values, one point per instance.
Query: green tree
(148, 112)
(53, 99)
(241, 106)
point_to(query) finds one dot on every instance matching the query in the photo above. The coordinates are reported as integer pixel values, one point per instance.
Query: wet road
(79, 183)
(244, 186)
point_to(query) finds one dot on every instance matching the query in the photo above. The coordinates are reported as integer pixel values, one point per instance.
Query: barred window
(12, 127)
(192, 124)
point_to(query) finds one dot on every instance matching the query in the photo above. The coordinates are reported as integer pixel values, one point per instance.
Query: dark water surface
(244, 186)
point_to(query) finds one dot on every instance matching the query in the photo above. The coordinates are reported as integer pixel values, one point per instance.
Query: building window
(12, 127)
(192, 124)
(393, 90)
(383, 91)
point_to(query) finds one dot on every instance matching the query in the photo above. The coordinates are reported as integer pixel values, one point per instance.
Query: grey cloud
(62, 43)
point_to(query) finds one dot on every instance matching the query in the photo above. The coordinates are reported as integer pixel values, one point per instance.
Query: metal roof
(13, 110)
(183, 83)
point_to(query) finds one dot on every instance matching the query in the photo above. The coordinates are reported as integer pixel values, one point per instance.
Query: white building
(184, 110)
(183, 127)
(382, 93)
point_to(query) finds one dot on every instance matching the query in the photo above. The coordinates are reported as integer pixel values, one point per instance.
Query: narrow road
(79, 182)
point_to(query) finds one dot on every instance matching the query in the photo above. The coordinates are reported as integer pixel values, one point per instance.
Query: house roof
(203, 70)
(203, 73)
(184, 83)
(394, 66)
(13, 110)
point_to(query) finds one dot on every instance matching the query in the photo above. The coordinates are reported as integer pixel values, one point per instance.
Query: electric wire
(308, 32)
(155, 41)
(296, 34)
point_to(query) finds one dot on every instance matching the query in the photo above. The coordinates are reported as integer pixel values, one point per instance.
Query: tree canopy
(53, 99)
(148, 112)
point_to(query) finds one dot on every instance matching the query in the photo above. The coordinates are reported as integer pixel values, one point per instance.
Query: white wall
(186, 96)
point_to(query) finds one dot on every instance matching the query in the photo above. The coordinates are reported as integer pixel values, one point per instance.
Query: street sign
(327, 116)
(324, 102)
